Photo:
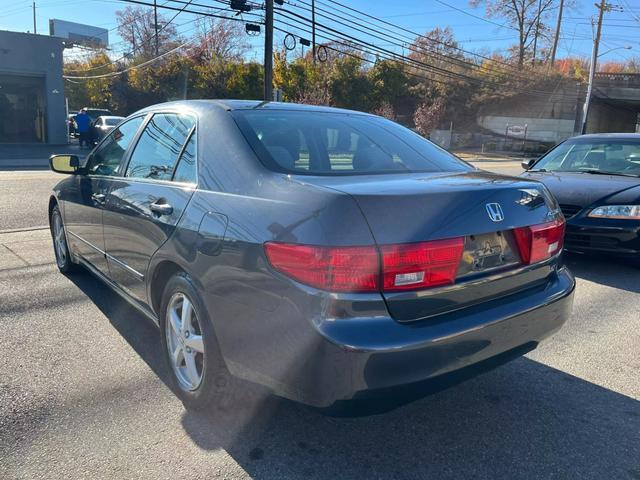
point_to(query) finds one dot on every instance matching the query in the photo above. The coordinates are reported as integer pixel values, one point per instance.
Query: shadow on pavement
(604, 270)
(135, 328)
(523, 420)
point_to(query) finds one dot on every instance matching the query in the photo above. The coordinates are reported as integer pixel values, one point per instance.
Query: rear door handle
(161, 208)
(98, 198)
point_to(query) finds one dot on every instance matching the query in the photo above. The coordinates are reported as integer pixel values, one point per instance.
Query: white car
(103, 125)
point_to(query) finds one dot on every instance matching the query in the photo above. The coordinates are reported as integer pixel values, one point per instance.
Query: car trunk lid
(480, 209)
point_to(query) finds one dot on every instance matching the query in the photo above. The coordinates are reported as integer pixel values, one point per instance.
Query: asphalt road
(83, 395)
(24, 196)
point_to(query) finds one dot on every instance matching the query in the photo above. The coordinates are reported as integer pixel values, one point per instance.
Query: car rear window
(112, 122)
(319, 143)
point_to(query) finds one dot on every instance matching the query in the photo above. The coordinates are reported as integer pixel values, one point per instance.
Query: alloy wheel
(59, 241)
(185, 342)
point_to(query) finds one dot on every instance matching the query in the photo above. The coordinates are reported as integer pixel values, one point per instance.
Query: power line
(395, 57)
(149, 62)
(434, 69)
(377, 19)
(457, 61)
(151, 38)
(387, 54)
(476, 16)
(133, 67)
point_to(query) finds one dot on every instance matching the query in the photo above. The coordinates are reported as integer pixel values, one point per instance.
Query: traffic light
(240, 5)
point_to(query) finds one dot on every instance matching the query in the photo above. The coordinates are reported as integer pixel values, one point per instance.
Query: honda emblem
(495, 212)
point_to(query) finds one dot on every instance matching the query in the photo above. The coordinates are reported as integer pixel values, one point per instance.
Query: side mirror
(69, 164)
(527, 164)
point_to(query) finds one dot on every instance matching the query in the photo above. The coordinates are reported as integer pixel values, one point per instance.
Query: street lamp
(626, 47)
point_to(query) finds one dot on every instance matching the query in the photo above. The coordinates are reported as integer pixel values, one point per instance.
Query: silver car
(103, 125)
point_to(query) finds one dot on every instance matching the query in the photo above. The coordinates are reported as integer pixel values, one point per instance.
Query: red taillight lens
(539, 242)
(337, 269)
(420, 265)
(410, 266)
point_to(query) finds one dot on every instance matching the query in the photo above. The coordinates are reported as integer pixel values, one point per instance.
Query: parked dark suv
(323, 253)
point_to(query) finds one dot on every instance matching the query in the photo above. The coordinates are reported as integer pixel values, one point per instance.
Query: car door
(146, 203)
(85, 201)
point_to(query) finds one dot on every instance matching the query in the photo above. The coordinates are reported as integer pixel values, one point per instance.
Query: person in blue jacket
(83, 122)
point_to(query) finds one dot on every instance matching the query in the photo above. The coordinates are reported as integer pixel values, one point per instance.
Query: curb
(29, 229)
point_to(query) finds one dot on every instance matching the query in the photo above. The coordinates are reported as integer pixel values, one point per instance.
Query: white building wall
(540, 129)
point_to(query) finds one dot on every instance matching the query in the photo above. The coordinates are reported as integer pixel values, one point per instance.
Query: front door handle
(98, 198)
(161, 208)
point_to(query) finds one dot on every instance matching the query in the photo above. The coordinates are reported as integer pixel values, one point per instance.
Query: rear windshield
(112, 122)
(318, 143)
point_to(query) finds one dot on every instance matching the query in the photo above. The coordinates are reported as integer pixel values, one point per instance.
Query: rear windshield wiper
(604, 172)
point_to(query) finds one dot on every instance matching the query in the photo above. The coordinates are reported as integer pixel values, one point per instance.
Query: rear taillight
(539, 242)
(420, 265)
(337, 269)
(357, 269)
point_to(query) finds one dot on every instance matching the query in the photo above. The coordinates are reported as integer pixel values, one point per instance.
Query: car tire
(183, 334)
(64, 258)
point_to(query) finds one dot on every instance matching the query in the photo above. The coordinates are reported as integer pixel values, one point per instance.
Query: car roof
(609, 136)
(234, 105)
(111, 116)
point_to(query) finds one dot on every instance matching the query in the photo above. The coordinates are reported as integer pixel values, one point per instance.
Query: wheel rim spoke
(192, 371)
(176, 323)
(177, 355)
(195, 342)
(187, 310)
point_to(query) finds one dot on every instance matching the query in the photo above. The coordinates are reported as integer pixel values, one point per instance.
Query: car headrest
(290, 141)
(282, 156)
(372, 157)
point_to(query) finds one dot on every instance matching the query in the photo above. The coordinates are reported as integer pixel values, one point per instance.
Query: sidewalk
(478, 156)
(33, 156)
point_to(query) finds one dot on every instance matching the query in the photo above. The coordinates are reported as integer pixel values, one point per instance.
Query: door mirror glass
(527, 164)
(69, 164)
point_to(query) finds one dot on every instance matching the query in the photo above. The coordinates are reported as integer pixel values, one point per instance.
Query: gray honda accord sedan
(323, 253)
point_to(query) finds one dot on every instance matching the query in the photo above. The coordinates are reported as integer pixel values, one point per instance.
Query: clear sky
(475, 34)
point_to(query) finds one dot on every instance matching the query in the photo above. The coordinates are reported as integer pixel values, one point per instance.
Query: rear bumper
(614, 237)
(349, 358)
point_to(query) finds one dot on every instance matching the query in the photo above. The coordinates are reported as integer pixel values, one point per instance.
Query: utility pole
(313, 29)
(592, 68)
(35, 29)
(155, 24)
(535, 38)
(268, 51)
(554, 49)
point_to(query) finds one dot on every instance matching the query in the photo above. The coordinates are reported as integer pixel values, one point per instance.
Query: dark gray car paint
(83, 200)
(133, 233)
(316, 346)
